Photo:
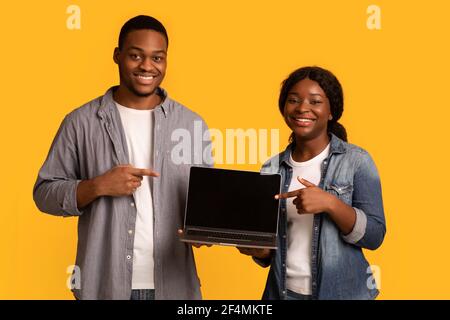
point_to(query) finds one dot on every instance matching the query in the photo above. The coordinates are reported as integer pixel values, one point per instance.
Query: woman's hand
(262, 253)
(312, 200)
(309, 200)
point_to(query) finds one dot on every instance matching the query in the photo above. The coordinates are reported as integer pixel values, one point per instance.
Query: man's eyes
(135, 56)
(158, 58)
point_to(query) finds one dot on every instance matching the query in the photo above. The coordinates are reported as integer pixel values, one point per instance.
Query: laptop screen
(231, 199)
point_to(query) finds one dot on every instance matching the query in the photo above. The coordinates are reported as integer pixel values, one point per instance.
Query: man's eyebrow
(142, 50)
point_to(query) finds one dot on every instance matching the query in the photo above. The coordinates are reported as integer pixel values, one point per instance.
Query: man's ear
(116, 55)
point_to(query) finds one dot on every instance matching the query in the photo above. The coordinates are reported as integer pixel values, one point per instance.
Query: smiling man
(110, 165)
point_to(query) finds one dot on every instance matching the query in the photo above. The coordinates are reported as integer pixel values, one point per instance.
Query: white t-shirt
(298, 261)
(138, 126)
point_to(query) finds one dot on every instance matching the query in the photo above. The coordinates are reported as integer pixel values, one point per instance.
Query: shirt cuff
(359, 229)
(69, 206)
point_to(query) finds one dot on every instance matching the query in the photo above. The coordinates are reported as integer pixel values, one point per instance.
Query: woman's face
(307, 110)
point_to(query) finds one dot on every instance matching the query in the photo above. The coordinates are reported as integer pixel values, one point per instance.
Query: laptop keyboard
(225, 235)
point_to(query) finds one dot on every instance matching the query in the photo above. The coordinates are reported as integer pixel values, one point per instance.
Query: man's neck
(127, 99)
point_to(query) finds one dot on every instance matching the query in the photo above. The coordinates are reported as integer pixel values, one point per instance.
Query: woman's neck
(307, 149)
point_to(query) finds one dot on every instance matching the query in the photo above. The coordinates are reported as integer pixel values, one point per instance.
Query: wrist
(97, 187)
(332, 204)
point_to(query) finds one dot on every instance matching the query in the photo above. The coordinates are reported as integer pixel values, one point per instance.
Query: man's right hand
(122, 180)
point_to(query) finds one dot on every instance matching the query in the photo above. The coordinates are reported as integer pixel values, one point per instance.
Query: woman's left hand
(309, 200)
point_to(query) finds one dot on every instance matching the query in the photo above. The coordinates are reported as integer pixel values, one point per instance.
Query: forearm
(342, 214)
(56, 197)
(88, 191)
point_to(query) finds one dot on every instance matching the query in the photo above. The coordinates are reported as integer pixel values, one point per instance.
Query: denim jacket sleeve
(55, 189)
(368, 203)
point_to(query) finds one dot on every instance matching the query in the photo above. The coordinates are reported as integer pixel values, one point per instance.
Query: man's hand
(197, 245)
(122, 180)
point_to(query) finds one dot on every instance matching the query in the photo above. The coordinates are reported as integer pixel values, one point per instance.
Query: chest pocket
(343, 192)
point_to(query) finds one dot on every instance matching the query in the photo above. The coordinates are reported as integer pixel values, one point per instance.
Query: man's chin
(143, 93)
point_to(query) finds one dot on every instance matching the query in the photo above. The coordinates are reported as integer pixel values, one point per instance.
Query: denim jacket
(338, 266)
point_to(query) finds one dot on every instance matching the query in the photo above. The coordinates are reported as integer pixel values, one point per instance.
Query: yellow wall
(226, 61)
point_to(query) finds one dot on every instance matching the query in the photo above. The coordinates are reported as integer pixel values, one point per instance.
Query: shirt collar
(108, 105)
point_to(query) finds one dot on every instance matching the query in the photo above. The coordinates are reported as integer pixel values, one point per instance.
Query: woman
(331, 204)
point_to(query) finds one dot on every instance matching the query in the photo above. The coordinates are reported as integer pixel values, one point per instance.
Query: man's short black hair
(139, 23)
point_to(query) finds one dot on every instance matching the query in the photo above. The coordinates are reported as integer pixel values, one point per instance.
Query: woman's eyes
(312, 102)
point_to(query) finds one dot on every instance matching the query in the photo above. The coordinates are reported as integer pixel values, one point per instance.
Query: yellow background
(226, 61)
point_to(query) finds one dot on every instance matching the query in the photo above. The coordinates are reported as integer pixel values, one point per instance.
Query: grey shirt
(89, 142)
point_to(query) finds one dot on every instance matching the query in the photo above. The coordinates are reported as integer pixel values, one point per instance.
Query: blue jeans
(143, 294)
(291, 295)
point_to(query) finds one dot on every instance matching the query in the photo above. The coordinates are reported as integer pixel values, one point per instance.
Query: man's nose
(147, 64)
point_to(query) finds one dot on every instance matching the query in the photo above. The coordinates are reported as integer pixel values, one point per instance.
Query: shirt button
(283, 209)
(284, 236)
(128, 257)
(130, 231)
(284, 265)
(132, 204)
(284, 292)
(286, 185)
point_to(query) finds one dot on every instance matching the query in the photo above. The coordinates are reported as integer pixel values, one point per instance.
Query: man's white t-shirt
(138, 127)
(298, 261)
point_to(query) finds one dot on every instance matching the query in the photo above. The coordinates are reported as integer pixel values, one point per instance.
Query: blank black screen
(230, 199)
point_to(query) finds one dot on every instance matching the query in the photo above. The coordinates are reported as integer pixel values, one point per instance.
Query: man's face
(142, 62)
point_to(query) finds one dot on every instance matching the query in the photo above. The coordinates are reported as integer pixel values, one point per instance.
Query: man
(110, 164)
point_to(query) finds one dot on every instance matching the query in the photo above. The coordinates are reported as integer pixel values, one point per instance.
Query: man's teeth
(145, 78)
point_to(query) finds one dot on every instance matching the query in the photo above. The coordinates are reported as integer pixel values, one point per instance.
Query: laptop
(232, 207)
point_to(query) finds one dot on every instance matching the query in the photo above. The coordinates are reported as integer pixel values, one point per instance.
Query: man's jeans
(143, 294)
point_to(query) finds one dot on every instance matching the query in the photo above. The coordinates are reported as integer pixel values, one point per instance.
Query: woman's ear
(330, 117)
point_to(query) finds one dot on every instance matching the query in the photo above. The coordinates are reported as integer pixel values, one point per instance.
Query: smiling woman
(337, 208)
